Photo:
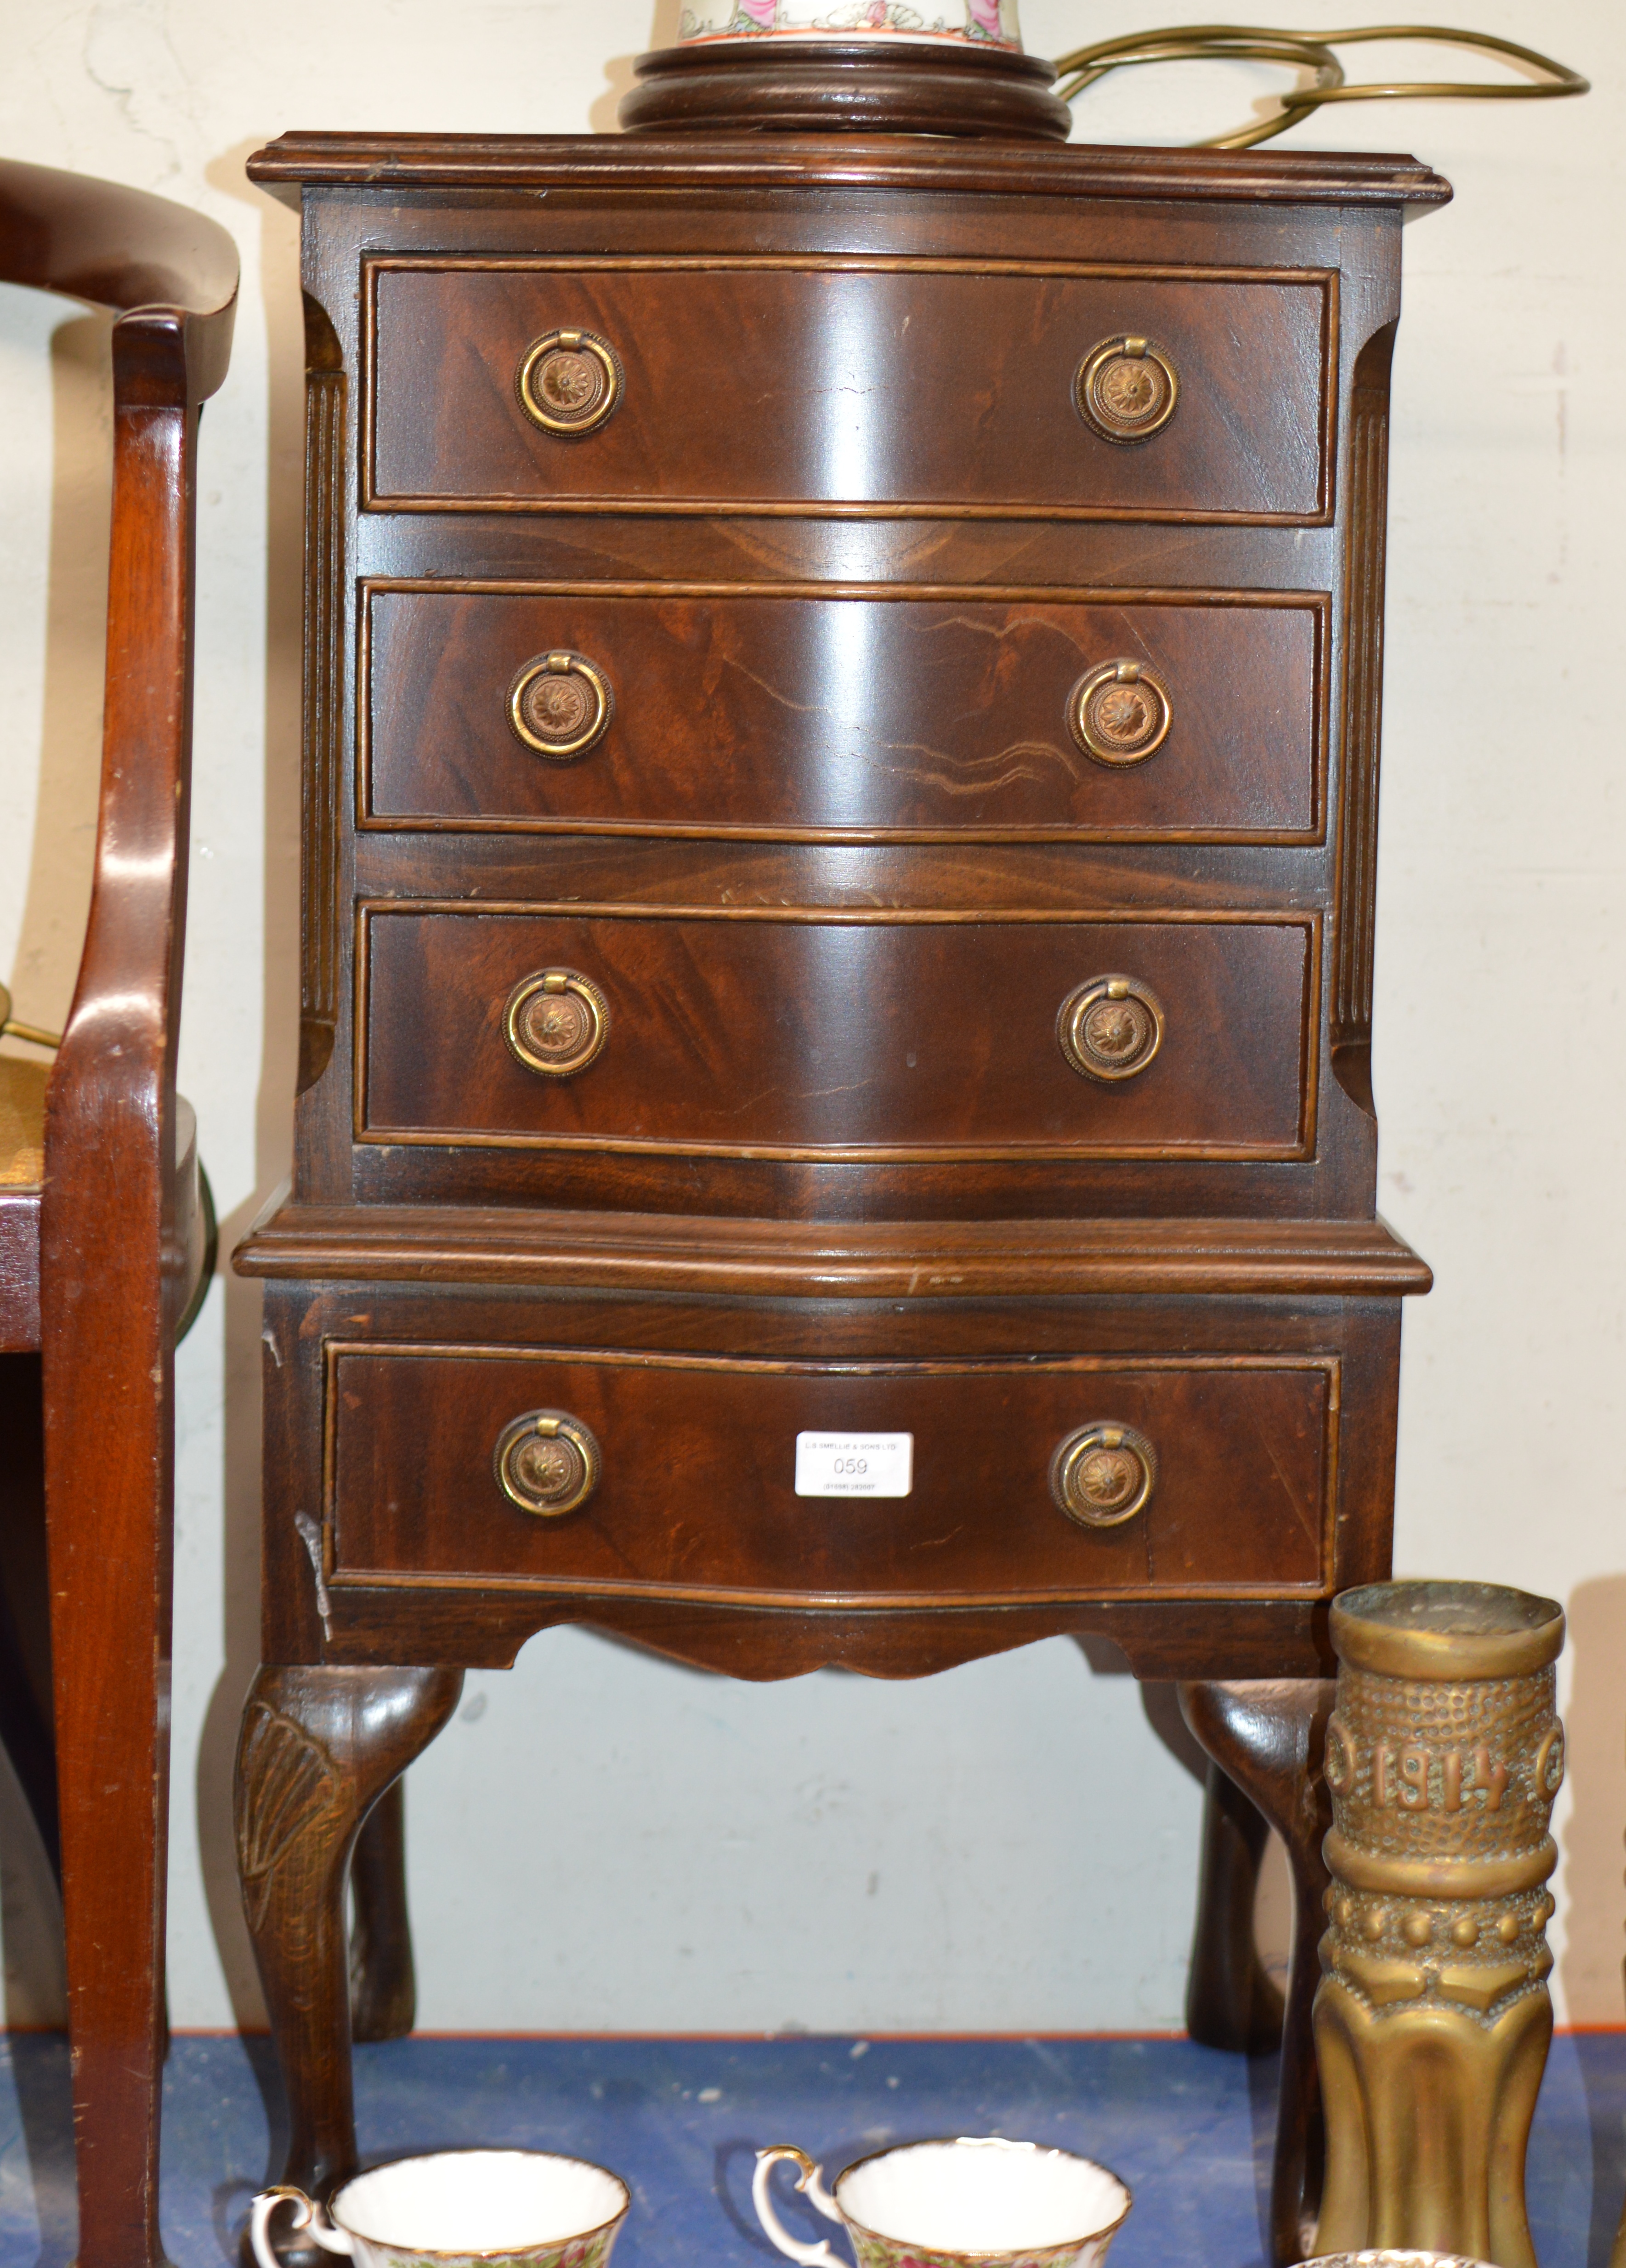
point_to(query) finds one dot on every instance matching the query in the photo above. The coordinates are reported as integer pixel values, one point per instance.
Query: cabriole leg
(1231, 2002)
(317, 1749)
(383, 1987)
(1268, 1735)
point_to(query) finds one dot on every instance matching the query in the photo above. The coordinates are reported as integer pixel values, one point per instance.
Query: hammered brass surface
(1432, 2017)
(1450, 1630)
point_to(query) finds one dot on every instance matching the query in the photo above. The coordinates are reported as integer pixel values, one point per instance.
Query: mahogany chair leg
(383, 1987)
(319, 1747)
(1269, 1737)
(1232, 2002)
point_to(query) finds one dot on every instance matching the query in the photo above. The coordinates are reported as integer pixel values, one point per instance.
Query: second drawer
(703, 712)
(803, 1034)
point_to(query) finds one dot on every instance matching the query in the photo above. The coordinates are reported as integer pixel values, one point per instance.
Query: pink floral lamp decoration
(985, 22)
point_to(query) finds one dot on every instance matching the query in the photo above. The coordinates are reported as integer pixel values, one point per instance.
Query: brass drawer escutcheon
(570, 382)
(1111, 1027)
(1120, 714)
(1126, 390)
(560, 704)
(548, 1463)
(556, 1023)
(1104, 1474)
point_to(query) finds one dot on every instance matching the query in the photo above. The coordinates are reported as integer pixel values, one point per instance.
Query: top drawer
(932, 387)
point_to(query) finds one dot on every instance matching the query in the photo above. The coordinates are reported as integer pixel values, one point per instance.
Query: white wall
(604, 1840)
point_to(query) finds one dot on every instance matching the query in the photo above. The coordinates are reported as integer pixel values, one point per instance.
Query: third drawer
(802, 1033)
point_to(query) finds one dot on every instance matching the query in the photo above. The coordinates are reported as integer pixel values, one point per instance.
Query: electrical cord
(1312, 52)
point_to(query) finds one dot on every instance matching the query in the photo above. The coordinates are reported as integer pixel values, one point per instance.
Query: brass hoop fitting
(560, 705)
(1126, 390)
(1111, 1027)
(12, 1028)
(1104, 1474)
(556, 1022)
(570, 382)
(547, 1463)
(1120, 714)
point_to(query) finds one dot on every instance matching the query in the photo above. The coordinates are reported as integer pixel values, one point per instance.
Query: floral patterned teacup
(461, 2209)
(991, 21)
(983, 2203)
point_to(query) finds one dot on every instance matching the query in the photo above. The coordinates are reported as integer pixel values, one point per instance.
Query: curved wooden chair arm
(169, 278)
(118, 1219)
(124, 250)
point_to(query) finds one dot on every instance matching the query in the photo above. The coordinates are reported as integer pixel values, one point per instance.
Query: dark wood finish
(519, 162)
(1270, 1737)
(842, 551)
(857, 87)
(120, 1233)
(384, 1992)
(779, 1033)
(779, 713)
(696, 1498)
(1232, 2002)
(965, 370)
(318, 1747)
(320, 1606)
(621, 1252)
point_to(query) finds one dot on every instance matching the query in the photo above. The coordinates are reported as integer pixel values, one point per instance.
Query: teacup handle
(812, 2185)
(331, 2239)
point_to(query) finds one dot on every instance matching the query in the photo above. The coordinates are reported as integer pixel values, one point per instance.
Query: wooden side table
(840, 799)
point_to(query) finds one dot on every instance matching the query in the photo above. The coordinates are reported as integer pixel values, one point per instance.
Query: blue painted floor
(1190, 2131)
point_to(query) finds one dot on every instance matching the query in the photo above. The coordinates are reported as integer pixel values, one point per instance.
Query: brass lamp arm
(1312, 52)
(12, 1028)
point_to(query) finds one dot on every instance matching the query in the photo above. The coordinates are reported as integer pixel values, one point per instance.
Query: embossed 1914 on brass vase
(1433, 2018)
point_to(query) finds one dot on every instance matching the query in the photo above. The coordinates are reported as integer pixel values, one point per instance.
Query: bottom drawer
(676, 1477)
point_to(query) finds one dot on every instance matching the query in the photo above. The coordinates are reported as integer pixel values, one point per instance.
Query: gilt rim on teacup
(472, 2252)
(982, 2254)
(1391, 2256)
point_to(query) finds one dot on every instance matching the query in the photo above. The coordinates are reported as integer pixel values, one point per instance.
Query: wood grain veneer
(841, 553)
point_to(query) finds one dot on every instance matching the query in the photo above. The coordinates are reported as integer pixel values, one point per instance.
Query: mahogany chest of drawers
(840, 799)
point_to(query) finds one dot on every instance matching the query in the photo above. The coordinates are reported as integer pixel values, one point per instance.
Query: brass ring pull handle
(1104, 1474)
(1126, 389)
(11, 1028)
(1111, 1027)
(560, 705)
(547, 1463)
(570, 382)
(1120, 714)
(556, 1022)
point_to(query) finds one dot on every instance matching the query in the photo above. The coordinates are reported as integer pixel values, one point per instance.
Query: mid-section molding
(676, 1254)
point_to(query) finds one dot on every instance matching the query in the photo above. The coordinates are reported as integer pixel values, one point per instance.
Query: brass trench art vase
(1432, 2017)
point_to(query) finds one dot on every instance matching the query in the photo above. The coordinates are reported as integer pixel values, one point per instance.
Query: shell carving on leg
(286, 1781)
